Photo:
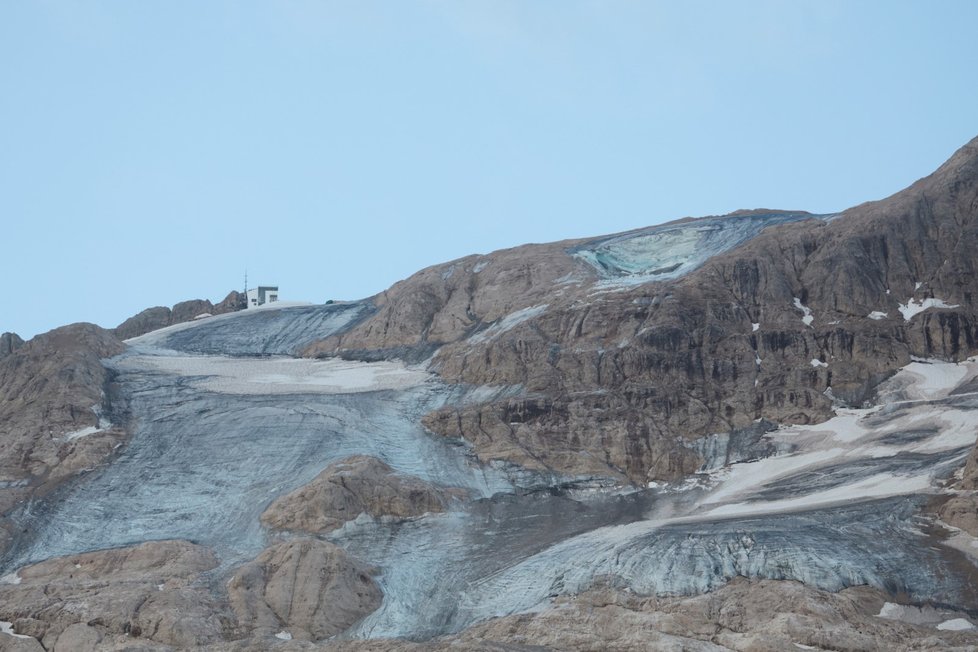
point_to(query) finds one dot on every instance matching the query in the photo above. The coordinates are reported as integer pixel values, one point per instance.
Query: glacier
(672, 250)
(223, 421)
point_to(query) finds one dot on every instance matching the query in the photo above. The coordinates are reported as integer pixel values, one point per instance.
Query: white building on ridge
(261, 295)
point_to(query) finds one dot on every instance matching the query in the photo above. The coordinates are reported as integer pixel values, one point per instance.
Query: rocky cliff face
(53, 407)
(617, 375)
(158, 317)
(9, 342)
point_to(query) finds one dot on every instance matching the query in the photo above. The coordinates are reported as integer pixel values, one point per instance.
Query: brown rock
(145, 591)
(158, 317)
(681, 356)
(961, 511)
(78, 638)
(310, 588)
(48, 389)
(350, 487)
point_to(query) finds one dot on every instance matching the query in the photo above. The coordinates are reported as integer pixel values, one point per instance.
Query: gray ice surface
(828, 504)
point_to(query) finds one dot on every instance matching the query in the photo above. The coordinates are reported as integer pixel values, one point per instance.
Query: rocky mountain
(745, 432)
(620, 369)
(158, 317)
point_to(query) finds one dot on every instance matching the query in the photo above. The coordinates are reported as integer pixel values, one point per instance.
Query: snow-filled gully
(217, 437)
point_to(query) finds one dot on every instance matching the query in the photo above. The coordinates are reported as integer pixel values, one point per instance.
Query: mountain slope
(617, 375)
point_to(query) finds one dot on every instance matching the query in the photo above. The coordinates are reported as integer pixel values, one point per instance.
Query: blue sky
(150, 151)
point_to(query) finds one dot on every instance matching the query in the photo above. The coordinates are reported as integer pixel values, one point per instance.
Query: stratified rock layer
(353, 486)
(616, 377)
(50, 391)
(145, 591)
(309, 588)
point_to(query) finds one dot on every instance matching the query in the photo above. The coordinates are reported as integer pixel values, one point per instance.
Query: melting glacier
(223, 421)
(671, 250)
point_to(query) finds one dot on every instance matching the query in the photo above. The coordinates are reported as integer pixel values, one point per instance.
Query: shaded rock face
(353, 486)
(9, 342)
(617, 378)
(309, 588)
(52, 390)
(158, 317)
(146, 591)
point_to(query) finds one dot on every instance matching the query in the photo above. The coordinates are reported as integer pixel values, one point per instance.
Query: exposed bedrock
(838, 303)
(9, 342)
(350, 487)
(744, 615)
(54, 397)
(147, 591)
(158, 317)
(308, 588)
(159, 595)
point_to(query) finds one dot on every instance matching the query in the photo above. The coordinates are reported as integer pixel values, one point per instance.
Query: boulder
(353, 486)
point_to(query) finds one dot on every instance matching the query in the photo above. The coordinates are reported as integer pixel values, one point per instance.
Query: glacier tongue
(216, 438)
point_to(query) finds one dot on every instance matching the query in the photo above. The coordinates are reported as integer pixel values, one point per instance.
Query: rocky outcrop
(353, 486)
(52, 391)
(744, 615)
(108, 599)
(308, 588)
(961, 511)
(617, 378)
(9, 342)
(158, 317)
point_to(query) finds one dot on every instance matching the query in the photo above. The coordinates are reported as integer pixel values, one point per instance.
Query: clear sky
(151, 151)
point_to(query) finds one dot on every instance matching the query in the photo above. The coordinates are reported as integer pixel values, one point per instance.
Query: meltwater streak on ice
(209, 452)
(672, 250)
(203, 462)
(806, 514)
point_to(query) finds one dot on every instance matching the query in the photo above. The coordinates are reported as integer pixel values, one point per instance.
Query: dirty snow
(913, 307)
(8, 628)
(283, 375)
(807, 318)
(508, 322)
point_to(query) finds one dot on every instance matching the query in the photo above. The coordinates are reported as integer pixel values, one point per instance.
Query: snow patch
(480, 266)
(876, 314)
(103, 424)
(203, 315)
(807, 318)
(508, 322)
(8, 628)
(916, 286)
(892, 611)
(284, 635)
(281, 375)
(84, 432)
(818, 363)
(956, 625)
(754, 327)
(913, 307)
(10, 578)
